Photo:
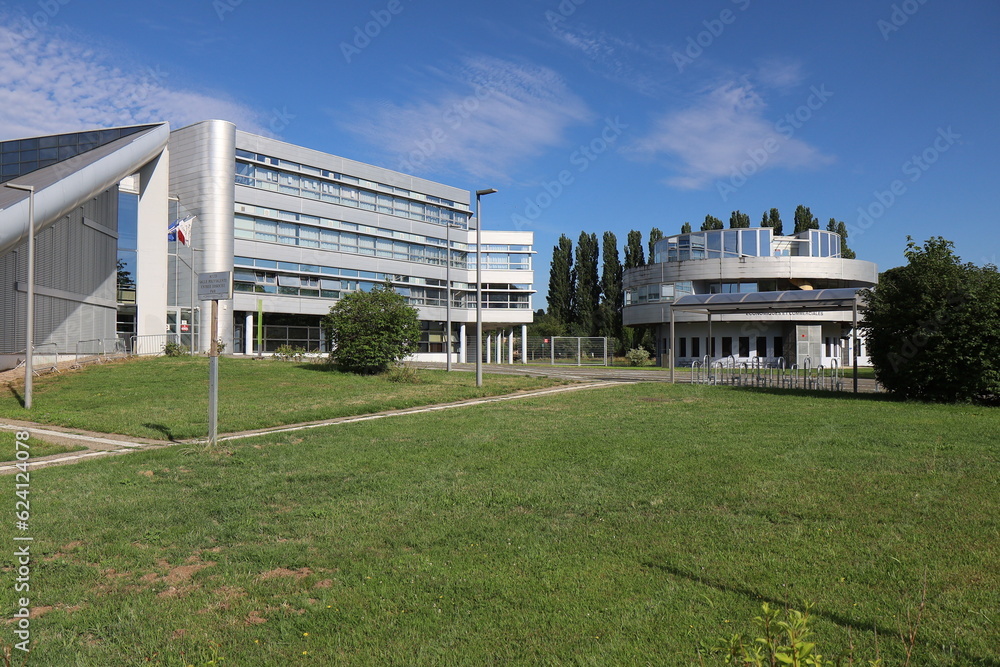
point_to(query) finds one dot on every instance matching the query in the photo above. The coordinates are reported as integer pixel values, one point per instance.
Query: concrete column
(151, 254)
(489, 347)
(462, 342)
(524, 343)
(248, 333)
(510, 348)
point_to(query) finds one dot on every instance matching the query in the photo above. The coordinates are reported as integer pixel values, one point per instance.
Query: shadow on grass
(867, 397)
(18, 396)
(165, 430)
(833, 617)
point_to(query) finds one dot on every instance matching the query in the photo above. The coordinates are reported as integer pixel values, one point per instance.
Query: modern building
(297, 227)
(745, 294)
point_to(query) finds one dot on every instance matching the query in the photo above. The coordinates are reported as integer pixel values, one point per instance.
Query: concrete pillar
(151, 254)
(462, 342)
(489, 347)
(248, 333)
(524, 343)
(510, 348)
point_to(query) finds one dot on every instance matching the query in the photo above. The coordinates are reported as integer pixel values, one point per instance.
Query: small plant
(402, 374)
(637, 356)
(220, 346)
(174, 350)
(784, 639)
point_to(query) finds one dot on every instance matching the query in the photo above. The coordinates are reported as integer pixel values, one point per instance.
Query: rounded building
(754, 262)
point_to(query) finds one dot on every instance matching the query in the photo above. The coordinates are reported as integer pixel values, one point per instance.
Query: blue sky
(585, 115)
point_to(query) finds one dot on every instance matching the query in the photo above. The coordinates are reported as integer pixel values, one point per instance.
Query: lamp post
(29, 327)
(447, 305)
(479, 286)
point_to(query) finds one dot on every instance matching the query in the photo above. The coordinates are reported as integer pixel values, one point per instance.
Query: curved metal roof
(823, 299)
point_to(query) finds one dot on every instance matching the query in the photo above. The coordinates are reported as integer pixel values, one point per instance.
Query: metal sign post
(214, 287)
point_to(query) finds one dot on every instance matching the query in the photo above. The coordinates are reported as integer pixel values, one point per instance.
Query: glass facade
(755, 242)
(299, 229)
(23, 156)
(336, 188)
(328, 282)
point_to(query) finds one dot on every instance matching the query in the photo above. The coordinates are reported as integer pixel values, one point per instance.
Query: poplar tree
(561, 286)
(711, 222)
(654, 235)
(612, 293)
(686, 228)
(633, 250)
(804, 219)
(840, 228)
(738, 220)
(588, 289)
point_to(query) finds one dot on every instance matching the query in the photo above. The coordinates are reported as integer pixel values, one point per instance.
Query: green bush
(637, 356)
(174, 350)
(371, 331)
(933, 327)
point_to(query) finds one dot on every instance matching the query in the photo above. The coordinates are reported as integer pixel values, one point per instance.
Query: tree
(804, 219)
(544, 325)
(738, 220)
(772, 220)
(711, 222)
(588, 290)
(654, 235)
(561, 286)
(633, 250)
(370, 331)
(612, 294)
(933, 327)
(841, 228)
(686, 228)
(124, 276)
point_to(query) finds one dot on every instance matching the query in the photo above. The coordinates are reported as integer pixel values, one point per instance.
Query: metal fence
(756, 373)
(568, 350)
(151, 345)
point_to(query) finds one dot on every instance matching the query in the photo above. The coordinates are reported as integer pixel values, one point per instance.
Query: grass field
(167, 398)
(608, 527)
(39, 447)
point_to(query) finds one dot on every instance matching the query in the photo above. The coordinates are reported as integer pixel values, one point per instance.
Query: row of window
(265, 282)
(656, 293)
(744, 348)
(316, 171)
(733, 243)
(287, 183)
(308, 236)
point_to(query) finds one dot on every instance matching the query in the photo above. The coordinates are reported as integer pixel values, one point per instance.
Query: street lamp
(447, 305)
(29, 327)
(479, 287)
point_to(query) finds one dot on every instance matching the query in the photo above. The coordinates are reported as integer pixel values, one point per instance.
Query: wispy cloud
(481, 120)
(719, 132)
(50, 83)
(624, 61)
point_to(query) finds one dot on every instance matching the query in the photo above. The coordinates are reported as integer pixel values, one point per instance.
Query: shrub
(637, 356)
(933, 327)
(174, 350)
(370, 331)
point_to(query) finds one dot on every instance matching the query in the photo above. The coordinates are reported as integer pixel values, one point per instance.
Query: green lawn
(167, 398)
(605, 527)
(36, 447)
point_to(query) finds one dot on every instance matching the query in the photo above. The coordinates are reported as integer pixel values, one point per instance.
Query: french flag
(181, 230)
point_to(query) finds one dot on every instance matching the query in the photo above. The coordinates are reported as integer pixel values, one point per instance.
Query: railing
(45, 358)
(89, 352)
(152, 345)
